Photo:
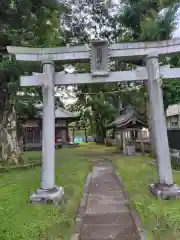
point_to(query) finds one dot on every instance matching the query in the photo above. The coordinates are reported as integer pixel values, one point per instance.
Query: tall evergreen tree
(23, 23)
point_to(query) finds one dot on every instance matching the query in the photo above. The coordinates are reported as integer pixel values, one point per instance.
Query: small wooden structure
(31, 129)
(128, 128)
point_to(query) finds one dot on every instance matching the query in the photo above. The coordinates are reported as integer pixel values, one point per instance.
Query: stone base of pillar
(49, 196)
(165, 192)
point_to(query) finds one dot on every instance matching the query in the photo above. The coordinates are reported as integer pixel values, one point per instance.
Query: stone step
(99, 170)
(108, 231)
(104, 204)
(103, 186)
(100, 198)
(109, 218)
(104, 177)
(115, 193)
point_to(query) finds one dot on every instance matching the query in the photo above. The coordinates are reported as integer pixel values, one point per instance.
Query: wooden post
(85, 132)
(141, 141)
(124, 141)
(73, 133)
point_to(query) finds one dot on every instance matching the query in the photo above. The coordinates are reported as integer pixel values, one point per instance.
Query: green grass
(161, 219)
(21, 220)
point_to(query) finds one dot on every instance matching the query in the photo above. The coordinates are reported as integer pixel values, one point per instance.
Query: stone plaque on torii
(99, 55)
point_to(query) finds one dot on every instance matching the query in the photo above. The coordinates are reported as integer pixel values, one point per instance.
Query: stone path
(106, 214)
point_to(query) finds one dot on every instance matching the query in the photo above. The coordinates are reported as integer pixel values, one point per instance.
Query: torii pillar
(49, 192)
(165, 188)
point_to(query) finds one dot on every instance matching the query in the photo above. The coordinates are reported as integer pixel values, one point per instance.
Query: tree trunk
(100, 136)
(10, 150)
(141, 141)
(99, 129)
(100, 133)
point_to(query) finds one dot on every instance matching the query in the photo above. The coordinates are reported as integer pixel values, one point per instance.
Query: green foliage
(171, 92)
(96, 109)
(134, 12)
(31, 23)
(28, 23)
(149, 21)
(167, 3)
(80, 29)
(146, 21)
(171, 88)
(161, 26)
(26, 103)
(135, 96)
(9, 85)
(9, 73)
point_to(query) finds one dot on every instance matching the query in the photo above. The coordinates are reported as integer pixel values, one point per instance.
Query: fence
(31, 138)
(137, 144)
(79, 135)
(173, 139)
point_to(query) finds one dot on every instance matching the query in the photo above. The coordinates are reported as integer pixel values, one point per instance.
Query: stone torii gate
(99, 55)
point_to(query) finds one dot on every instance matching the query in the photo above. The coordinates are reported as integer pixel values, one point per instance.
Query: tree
(100, 23)
(149, 21)
(146, 20)
(171, 88)
(30, 23)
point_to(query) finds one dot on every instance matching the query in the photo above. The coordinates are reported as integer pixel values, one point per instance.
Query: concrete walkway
(106, 214)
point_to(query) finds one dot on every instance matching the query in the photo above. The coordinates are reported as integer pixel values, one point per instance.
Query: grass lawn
(161, 219)
(20, 220)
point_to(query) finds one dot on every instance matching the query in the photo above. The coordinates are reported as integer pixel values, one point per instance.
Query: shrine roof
(129, 118)
(60, 113)
(173, 110)
(63, 113)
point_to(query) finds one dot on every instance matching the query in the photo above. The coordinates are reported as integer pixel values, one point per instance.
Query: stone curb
(134, 213)
(81, 210)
